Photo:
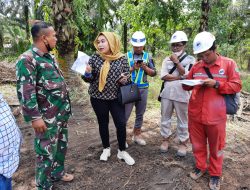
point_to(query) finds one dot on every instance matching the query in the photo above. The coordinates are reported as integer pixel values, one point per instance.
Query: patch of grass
(155, 83)
(9, 93)
(8, 90)
(79, 92)
(153, 93)
(246, 83)
(9, 57)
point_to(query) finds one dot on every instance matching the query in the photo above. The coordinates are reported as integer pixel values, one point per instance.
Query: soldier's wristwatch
(217, 85)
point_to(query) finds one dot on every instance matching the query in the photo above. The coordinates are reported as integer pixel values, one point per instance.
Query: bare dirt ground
(152, 170)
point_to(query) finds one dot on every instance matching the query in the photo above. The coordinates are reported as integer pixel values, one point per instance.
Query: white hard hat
(138, 39)
(178, 36)
(203, 41)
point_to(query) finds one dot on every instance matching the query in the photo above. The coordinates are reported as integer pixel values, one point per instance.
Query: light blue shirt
(10, 140)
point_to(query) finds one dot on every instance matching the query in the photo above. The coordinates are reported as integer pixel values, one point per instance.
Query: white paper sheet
(80, 63)
(192, 82)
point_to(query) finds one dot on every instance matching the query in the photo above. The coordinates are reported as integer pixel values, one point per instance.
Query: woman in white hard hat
(141, 65)
(173, 97)
(207, 108)
(103, 73)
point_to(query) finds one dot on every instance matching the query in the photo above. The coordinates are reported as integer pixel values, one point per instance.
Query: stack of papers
(81, 62)
(192, 82)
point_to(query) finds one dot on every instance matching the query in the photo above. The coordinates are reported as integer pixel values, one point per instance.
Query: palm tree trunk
(64, 27)
(38, 12)
(26, 17)
(1, 37)
(205, 7)
(153, 49)
(248, 65)
(125, 37)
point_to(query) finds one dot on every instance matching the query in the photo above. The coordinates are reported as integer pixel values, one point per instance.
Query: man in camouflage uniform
(45, 103)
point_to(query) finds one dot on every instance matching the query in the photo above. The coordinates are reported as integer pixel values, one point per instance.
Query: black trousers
(102, 109)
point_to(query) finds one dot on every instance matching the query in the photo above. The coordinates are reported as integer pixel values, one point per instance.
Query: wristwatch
(217, 85)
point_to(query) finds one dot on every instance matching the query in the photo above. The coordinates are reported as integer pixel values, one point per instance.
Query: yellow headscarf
(115, 46)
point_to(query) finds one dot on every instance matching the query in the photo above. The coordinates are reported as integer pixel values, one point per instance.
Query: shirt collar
(37, 51)
(217, 61)
(141, 54)
(40, 53)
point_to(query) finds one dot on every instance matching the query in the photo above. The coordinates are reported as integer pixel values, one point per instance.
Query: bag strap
(173, 69)
(208, 72)
(162, 86)
(184, 56)
(190, 66)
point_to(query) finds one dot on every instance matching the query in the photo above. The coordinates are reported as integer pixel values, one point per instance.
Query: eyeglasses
(177, 45)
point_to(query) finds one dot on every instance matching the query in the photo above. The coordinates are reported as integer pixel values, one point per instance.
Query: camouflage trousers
(50, 148)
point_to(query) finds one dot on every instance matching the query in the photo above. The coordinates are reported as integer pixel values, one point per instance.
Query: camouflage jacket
(41, 89)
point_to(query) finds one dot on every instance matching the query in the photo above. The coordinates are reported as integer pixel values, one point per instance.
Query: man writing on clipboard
(207, 107)
(174, 67)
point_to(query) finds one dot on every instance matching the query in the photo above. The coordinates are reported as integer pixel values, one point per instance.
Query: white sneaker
(126, 145)
(139, 140)
(123, 155)
(105, 154)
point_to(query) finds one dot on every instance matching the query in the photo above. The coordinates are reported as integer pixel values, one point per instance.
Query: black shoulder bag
(170, 72)
(230, 99)
(129, 93)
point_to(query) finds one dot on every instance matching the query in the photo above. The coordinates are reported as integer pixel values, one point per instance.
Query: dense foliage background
(77, 23)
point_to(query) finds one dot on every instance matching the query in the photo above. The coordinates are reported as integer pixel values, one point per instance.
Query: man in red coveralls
(207, 108)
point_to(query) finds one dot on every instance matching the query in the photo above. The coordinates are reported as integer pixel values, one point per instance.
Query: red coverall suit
(207, 112)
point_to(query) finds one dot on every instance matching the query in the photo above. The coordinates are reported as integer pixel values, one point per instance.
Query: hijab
(115, 47)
